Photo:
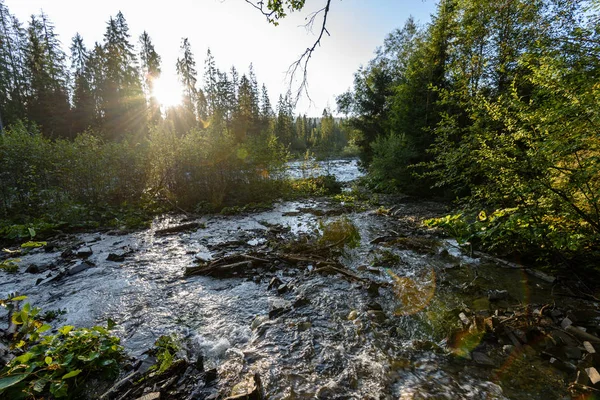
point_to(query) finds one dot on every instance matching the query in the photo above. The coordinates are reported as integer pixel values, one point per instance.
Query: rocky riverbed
(263, 307)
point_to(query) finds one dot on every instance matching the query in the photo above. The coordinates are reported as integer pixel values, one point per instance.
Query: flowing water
(333, 338)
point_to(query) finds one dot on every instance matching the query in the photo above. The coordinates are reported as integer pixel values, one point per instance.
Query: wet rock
(565, 323)
(67, 254)
(374, 306)
(582, 378)
(373, 289)
(482, 359)
(115, 257)
(80, 266)
(39, 268)
(274, 283)
(352, 315)
(496, 295)
(210, 376)
(281, 289)
(301, 302)
(50, 278)
(84, 252)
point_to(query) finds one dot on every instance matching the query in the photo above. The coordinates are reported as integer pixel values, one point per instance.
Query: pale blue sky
(238, 35)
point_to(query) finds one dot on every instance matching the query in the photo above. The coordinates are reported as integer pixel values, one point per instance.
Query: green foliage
(166, 347)
(339, 231)
(389, 169)
(10, 265)
(58, 364)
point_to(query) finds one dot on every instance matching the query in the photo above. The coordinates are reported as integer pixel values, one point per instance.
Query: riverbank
(406, 311)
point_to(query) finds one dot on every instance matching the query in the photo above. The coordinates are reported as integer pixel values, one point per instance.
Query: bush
(55, 365)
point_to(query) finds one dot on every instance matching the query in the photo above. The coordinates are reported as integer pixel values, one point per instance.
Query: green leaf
(18, 298)
(43, 328)
(66, 329)
(33, 245)
(91, 357)
(110, 324)
(100, 330)
(31, 232)
(71, 374)
(11, 380)
(48, 360)
(24, 358)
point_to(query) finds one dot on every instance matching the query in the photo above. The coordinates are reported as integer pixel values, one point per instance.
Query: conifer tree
(83, 108)
(150, 70)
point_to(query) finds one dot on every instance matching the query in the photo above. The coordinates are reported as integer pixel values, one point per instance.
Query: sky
(238, 34)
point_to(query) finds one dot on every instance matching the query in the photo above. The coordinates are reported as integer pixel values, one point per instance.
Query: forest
(84, 135)
(494, 105)
(440, 237)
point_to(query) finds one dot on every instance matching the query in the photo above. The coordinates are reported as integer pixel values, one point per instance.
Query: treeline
(109, 89)
(84, 138)
(496, 104)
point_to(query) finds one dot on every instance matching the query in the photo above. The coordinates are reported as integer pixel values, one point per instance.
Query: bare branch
(300, 65)
(259, 6)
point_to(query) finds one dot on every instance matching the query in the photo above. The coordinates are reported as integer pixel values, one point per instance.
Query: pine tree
(83, 110)
(186, 71)
(124, 105)
(47, 103)
(150, 69)
(12, 68)
(210, 83)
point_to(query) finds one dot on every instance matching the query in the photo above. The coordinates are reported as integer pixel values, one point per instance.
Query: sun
(167, 91)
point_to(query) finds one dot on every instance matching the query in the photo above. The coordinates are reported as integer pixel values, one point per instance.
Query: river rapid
(313, 335)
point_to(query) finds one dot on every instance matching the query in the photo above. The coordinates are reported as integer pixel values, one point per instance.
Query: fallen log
(584, 336)
(219, 271)
(176, 229)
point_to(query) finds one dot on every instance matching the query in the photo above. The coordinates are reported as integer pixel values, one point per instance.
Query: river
(335, 339)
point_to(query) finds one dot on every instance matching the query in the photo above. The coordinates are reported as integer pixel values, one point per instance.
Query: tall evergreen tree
(150, 69)
(83, 108)
(124, 104)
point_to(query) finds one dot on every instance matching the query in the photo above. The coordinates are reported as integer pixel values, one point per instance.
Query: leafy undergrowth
(58, 364)
(538, 239)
